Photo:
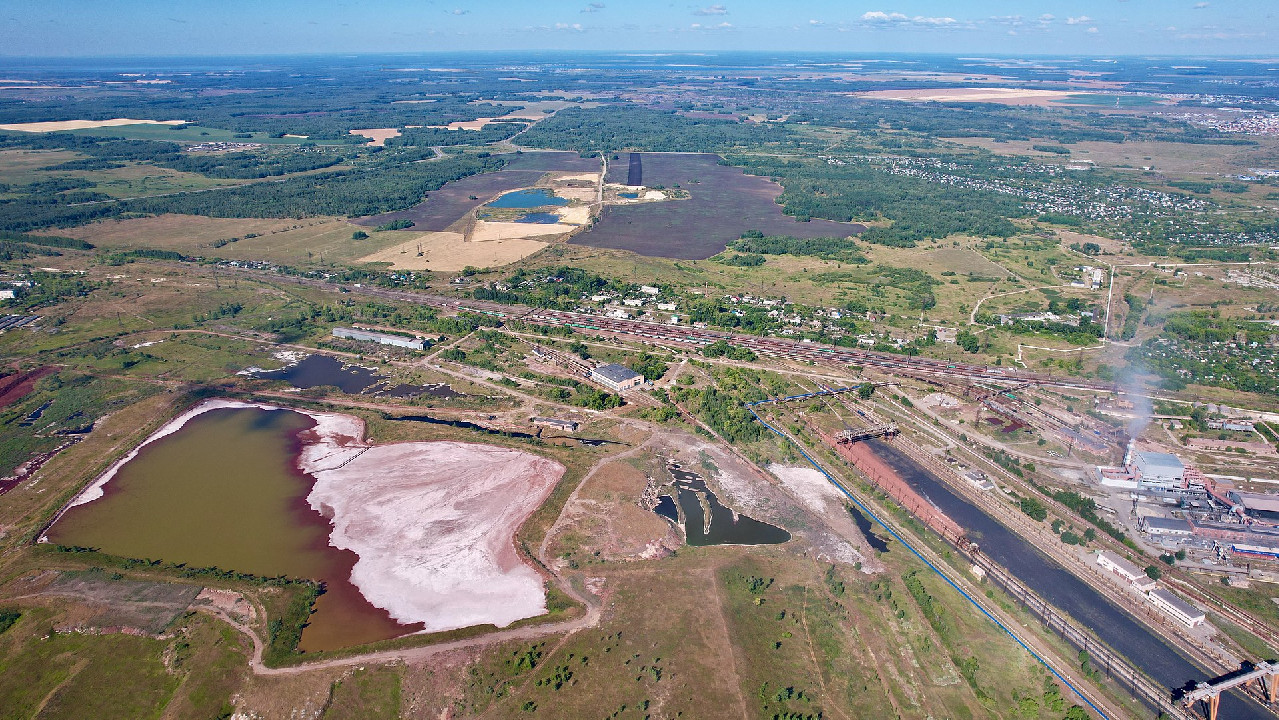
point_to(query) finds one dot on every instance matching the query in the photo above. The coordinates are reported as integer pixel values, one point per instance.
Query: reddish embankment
(16, 386)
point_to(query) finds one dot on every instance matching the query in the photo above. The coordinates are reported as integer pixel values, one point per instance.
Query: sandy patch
(475, 125)
(379, 136)
(56, 125)
(808, 486)
(488, 231)
(579, 215)
(434, 525)
(1007, 96)
(450, 251)
(583, 177)
(654, 195)
(585, 194)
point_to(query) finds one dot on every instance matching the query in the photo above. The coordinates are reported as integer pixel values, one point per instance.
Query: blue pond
(539, 218)
(629, 195)
(536, 197)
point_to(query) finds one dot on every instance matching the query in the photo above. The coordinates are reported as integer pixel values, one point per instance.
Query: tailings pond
(224, 491)
(445, 206)
(727, 527)
(319, 370)
(530, 198)
(1115, 627)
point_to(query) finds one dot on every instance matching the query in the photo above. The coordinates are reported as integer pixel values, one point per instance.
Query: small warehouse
(617, 377)
(1155, 525)
(566, 425)
(411, 343)
(1129, 572)
(1182, 611)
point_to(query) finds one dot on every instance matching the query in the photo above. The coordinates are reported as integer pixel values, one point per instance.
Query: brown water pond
(225, 491)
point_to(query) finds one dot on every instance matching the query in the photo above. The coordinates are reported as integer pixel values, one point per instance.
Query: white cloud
(883, 19)
(1013, 20)
(877, 16)
(593, 7)
(1047, 17)
(725, 25)
(712, 10)
(1078, 20)
(1201, 6)
(575, 27)
(816, 22)
(1092, 31)
(460, 11)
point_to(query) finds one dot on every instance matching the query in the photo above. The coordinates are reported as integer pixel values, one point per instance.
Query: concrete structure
(1127, 571)
(1263, 673)
(1261, 506)
(567, 425)
(1179, 609)
(380, 338)
(1166, 526)
(617, 377)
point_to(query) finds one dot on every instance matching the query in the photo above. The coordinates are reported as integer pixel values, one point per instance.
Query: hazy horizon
(191, 28)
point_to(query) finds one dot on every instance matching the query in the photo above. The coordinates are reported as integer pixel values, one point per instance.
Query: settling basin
(224, 491)
(1053, 583)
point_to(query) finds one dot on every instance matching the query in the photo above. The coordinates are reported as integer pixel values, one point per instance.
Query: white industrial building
(617, 377)
(411, 343)
(1179, 609)
(1158, 470)
(1175, 527)
(1126, 571)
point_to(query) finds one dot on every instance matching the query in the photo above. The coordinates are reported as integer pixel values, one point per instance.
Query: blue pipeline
(869, 513)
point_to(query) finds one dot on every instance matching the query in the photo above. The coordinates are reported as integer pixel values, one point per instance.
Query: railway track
(684, 337)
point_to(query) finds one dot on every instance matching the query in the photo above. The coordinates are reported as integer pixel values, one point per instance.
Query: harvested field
(486, 231)
(724, 202)
(1004, 96)
(277, 240)
(434, 526)
(379, 136)
(445, 206)
(56, 125)
(450, 251)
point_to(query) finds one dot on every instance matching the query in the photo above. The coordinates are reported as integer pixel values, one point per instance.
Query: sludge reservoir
(224, 491)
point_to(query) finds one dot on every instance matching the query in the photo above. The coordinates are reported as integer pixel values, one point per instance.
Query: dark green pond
(726, 527)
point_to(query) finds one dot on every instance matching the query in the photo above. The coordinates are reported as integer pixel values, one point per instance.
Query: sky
(238, 27)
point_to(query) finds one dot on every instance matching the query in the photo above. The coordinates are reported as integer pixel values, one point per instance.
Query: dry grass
(379, 136)
(56, 125)
(1169, 157)
(288, 241)
(450, 251)
(1005, 96)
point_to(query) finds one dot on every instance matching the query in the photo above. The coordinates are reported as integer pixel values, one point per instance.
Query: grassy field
(1161, 156)
(191, 134)
(72, 675)
(309, 241)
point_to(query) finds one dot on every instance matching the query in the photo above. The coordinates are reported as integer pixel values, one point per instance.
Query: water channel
(1052, 582)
